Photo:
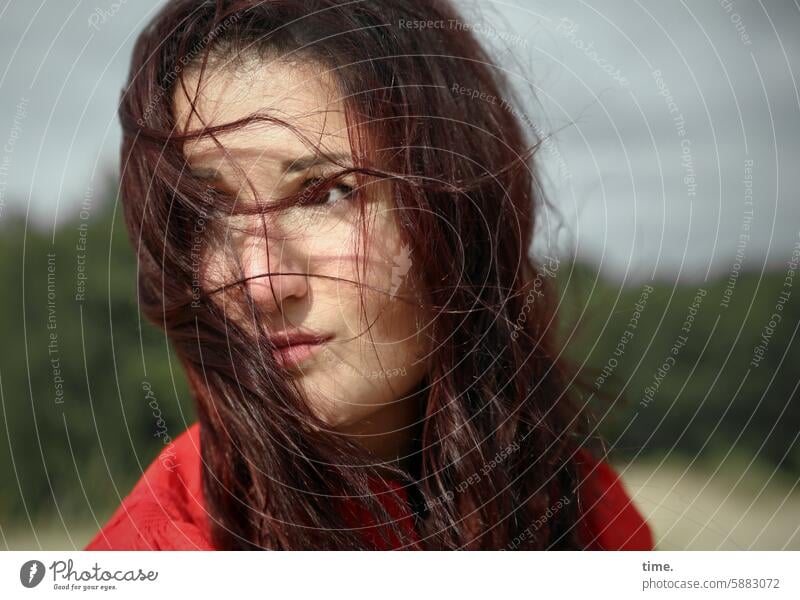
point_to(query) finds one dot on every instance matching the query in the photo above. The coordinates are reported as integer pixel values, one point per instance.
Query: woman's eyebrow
(303, 163)
(206, 174)
(295, 165)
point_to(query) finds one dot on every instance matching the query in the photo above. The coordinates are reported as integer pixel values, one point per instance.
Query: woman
(333, 229)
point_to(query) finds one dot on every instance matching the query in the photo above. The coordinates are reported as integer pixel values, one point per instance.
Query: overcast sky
(641, 193)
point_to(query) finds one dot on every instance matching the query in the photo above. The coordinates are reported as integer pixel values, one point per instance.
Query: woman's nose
(275, 272)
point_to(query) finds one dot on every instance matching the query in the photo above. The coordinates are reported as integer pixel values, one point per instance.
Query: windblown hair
(463, 180)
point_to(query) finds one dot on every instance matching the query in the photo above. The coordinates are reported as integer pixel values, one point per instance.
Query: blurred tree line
(701, 371)
(88, 388)
(70, 318)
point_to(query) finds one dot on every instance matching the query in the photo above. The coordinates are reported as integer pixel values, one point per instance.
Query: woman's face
(363, 350)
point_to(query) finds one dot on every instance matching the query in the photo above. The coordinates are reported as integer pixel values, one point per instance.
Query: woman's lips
(291, 356)
(293, 349)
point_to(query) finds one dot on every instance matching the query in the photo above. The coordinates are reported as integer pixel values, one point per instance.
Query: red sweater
(165, 509)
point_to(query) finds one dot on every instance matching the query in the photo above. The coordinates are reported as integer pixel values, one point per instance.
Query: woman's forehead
(295, 94)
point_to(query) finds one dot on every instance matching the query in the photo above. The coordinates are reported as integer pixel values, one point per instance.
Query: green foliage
(713, 396)
(75, 455)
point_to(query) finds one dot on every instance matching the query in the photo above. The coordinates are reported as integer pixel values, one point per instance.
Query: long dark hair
(495, 455)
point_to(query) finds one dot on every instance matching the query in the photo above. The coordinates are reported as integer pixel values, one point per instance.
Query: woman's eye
(340, 191)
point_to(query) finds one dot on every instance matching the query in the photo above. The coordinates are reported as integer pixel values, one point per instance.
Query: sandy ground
(704, 510)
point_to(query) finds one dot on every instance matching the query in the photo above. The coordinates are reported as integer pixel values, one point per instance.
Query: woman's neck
(393, 433)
